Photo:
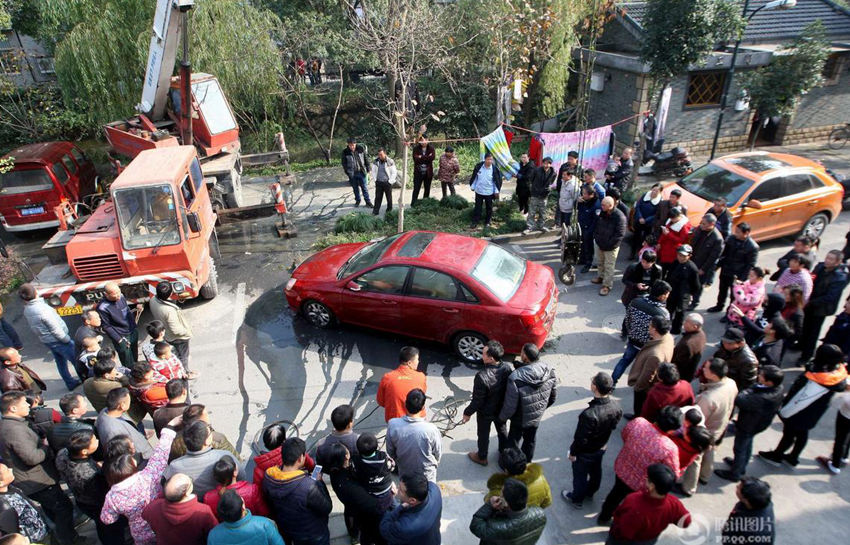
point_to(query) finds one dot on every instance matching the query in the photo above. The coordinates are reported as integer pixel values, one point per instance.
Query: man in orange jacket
(395, 385)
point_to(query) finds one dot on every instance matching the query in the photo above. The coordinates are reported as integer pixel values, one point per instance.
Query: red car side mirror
(353, 286)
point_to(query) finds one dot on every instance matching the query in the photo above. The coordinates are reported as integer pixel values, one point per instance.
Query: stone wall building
(695, 101)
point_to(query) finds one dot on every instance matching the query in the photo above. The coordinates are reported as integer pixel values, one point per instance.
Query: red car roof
(457, 251)
(45, 153)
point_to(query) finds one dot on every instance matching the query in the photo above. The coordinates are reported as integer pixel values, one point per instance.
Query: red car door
(375, 298)
(434, 307)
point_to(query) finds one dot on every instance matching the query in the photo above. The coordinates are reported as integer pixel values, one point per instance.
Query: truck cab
(157, 225)
(43, 175)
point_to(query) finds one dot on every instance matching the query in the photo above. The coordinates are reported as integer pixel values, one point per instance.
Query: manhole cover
(613, 325)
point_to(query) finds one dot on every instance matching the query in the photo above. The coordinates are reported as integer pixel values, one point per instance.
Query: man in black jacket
(23, 451)
(638, 316)
(530, 390)
(684, 282)
(524, 177)
(86, 480)
(739, 256)
(595, 425)
(607, 236)
(73, 406)
(355, 163)
(830, 281)
(724, 217)
(664, 208)
(539, 190)
(299, 504)
(707, 243)
(488, 392)
(757, 405)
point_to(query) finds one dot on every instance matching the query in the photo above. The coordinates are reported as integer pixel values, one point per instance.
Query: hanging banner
(498, 146)
(661, 116)
(592, 146)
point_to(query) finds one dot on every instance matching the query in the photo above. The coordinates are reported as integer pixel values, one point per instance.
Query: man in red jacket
(179, 518)
(644, 515)
(669, 390)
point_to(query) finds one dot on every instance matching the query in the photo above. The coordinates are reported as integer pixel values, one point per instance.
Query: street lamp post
(775, 4)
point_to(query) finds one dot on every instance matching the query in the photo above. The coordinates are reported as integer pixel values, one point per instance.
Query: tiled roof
(775, 25)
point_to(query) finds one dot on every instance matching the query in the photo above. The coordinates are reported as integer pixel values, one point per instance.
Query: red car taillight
(533, 321)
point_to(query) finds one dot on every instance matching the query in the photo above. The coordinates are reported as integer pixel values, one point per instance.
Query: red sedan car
(448, 288)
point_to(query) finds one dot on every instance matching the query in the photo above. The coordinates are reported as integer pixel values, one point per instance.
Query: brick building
(624, 82)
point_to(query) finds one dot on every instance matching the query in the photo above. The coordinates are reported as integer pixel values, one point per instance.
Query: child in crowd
(156, 332)
(372, 468)
(167, 364)
(91, 346)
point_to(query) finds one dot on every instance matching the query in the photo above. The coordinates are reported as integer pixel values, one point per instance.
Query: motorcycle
(675, 162)
(843, 180)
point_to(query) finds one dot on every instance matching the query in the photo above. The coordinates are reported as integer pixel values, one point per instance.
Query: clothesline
(448, 140)
(620, 122)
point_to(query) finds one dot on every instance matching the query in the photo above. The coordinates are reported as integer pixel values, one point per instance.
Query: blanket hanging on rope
(592, 145)
(496, 143)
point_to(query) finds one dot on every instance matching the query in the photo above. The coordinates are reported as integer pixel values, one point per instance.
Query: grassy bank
(452, 214)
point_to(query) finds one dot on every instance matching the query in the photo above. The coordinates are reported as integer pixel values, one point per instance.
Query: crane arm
(162, 55)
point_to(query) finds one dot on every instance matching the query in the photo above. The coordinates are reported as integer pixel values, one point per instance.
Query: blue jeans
(742, 449)
(627, 359)
(63, 353)
(358, 184)
(587, 475)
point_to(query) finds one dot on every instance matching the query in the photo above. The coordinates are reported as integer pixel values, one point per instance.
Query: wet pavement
(260, 364)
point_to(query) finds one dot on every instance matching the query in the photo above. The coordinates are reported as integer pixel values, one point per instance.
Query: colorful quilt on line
(498, 146)
(593, 154)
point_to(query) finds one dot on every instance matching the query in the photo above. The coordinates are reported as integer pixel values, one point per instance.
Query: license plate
(70, 311)
(33, 211)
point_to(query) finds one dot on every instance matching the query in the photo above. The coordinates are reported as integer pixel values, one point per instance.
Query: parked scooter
(675, 161)
(843, 180)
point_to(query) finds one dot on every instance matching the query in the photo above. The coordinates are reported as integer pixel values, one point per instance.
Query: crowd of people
(180, 481)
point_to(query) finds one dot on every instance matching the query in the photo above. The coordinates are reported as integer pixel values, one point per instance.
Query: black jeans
(842, 440)
(522, 200)
(795, 438)
(811, 333)
(642, 230)
(420, 180)
(528, 436)
(487, 201)
(484, 423)
(725, 289)
(383, 189)
(447, 187)
(614, 498)
(587, 474)
(639, 400)
(181, 350)
(108, 534)
(742, 449)
(128, 355)
(586, 245)
(59, 508)
(703, 280)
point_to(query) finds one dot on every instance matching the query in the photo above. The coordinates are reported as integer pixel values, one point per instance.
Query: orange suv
(776, 193)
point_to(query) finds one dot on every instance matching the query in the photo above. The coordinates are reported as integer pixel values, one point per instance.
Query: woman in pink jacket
(747, 296)
(132, 489)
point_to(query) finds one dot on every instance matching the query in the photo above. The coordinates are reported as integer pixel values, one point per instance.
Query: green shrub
(457, 202)
(343, 238)
(359, 222)
(391, 217)
(428, 203)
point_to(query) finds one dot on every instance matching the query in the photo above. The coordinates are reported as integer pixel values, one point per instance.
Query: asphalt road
(260, 364)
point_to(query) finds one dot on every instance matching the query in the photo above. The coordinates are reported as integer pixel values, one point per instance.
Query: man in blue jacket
(417, 519)
(239, 526)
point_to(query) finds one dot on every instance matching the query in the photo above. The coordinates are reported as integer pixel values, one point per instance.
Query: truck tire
(210, 289)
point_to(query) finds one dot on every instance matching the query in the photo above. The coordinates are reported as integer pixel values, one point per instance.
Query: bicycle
(838, 137)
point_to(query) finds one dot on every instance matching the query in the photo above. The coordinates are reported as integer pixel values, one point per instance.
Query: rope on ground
(446, 417)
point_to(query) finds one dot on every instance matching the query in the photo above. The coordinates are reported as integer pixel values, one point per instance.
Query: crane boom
(162, 55)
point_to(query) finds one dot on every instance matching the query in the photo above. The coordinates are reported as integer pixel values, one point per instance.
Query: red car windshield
(25, 181)
(366, 256)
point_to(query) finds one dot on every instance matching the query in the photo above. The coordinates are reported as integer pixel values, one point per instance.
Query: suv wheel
(469, 345)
